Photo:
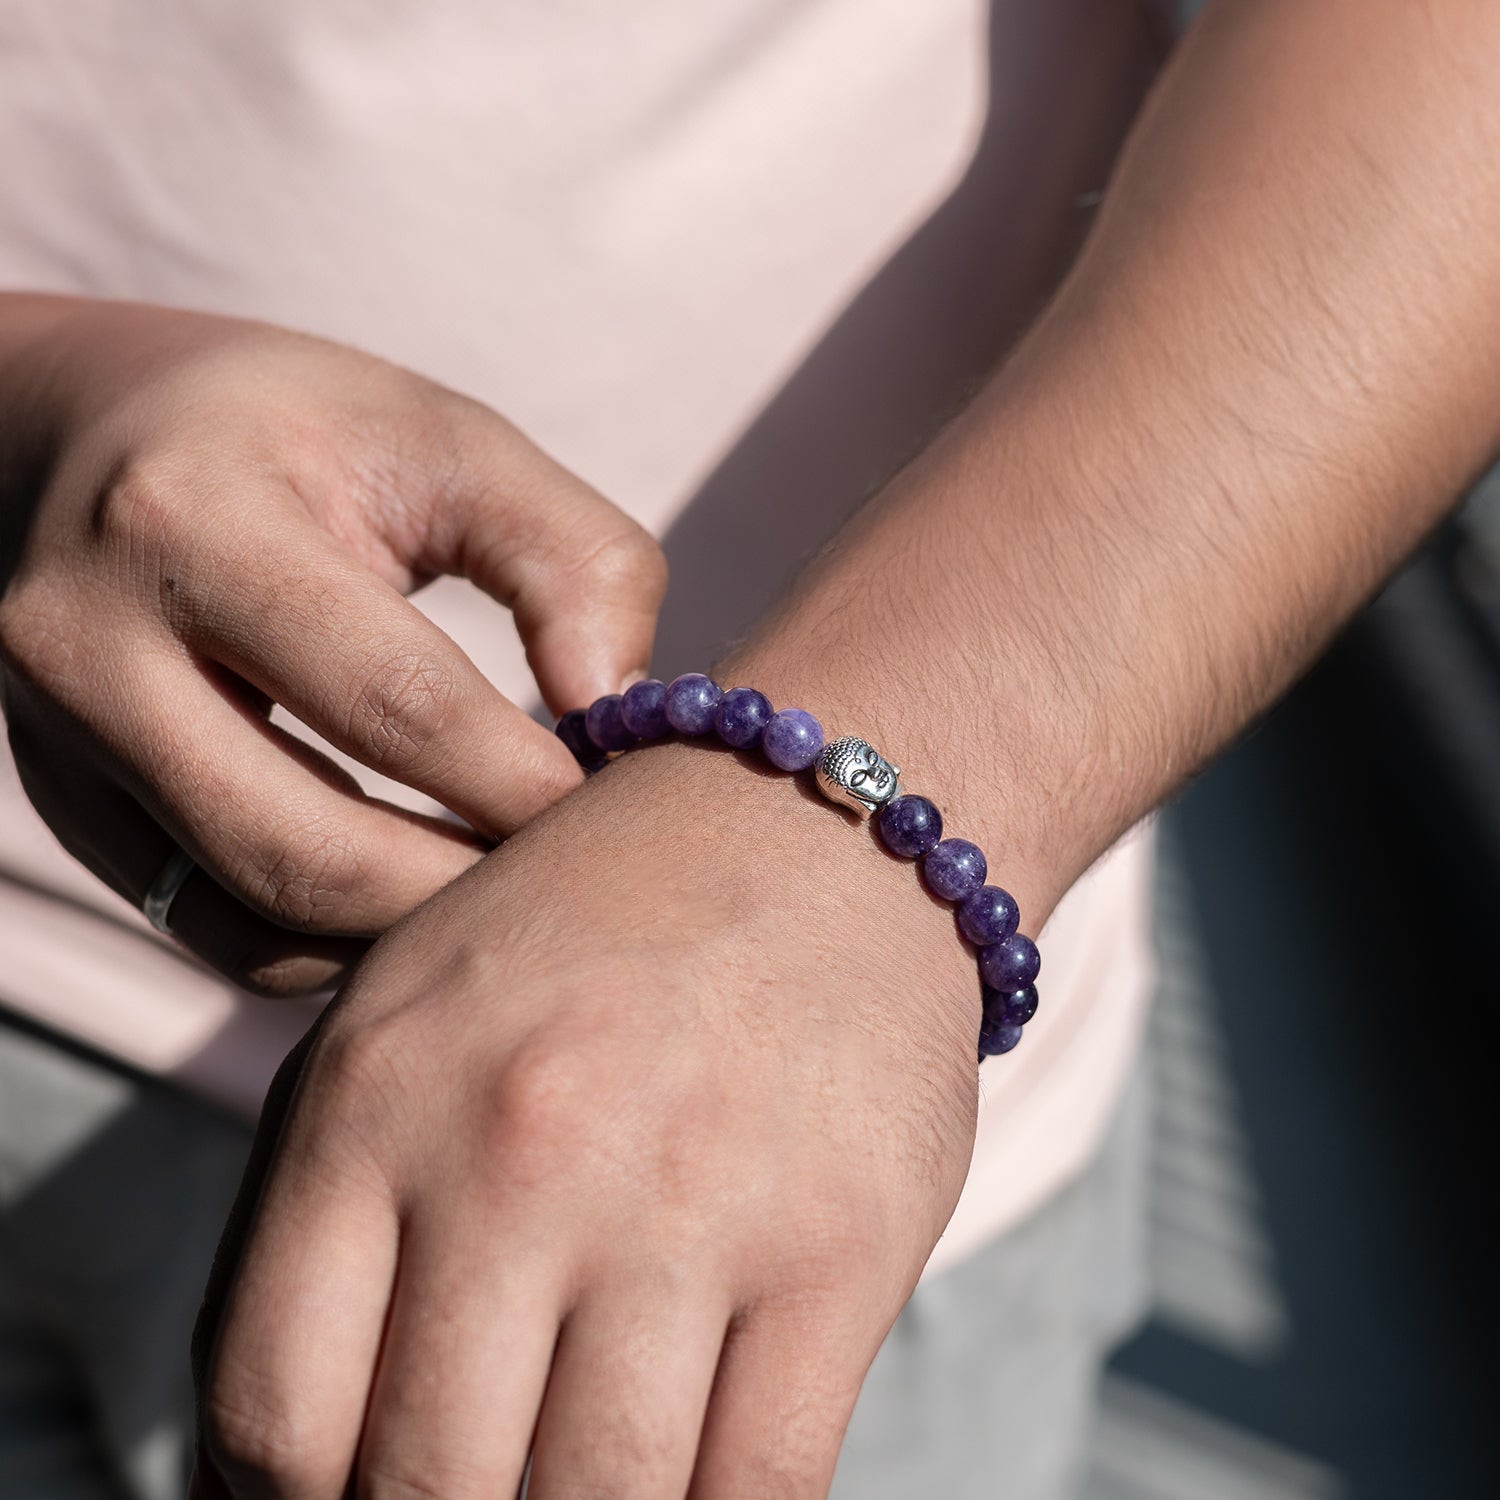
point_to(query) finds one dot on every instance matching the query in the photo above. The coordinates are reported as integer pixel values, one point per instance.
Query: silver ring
(164, 889)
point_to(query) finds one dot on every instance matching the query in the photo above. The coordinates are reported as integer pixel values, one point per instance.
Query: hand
(205, 517)
(630, 1145)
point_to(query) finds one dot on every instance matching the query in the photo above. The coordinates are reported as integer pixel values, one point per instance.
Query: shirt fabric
(626, 228)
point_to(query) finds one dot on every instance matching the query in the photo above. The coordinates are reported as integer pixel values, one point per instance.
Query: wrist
(729, 844)
(854, 774)
(1007, 622)
(965, 697)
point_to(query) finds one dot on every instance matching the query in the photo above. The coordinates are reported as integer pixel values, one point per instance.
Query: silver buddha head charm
(852, 772)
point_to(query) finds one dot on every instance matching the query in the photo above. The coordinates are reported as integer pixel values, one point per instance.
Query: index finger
(359, 664)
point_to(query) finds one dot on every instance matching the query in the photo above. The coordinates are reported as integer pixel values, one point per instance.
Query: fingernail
(638, 675)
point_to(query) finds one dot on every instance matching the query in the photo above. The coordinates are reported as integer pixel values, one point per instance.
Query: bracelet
(851, 772)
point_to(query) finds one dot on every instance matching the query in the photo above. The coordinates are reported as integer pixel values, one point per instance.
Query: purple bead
(742, 716)
(1010, 1010)
(990, 915)
(643, 708)
(572, 730)
(691, 702)
(792, 739)
(605, 726)
(996, 1037)
(1010, 965)
(910, 826)
(955, 869)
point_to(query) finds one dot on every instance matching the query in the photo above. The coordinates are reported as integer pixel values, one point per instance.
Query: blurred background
(1323, 1258)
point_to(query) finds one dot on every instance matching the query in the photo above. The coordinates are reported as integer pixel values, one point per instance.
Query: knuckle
(623, 1481)
(634, 1450)
(304, 880)
(814, 1407)
(17, 628)
(386, 1478)
(537, 1112)
(352, 1058)
(627, 560)
(360, 1092)
(547, 773)
(357, 1100)
(557, 778)
(364, 1072)
(16, 614)
(258, 1441)
(399, 711)
(792, 1472)
(36, 643)
(136, 507)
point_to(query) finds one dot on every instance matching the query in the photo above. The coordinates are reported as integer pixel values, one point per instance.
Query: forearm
(1272, 370)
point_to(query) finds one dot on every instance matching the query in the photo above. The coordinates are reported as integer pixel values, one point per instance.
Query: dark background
(1324, 1259)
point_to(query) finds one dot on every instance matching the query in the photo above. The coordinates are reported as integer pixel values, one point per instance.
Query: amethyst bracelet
(851, 772)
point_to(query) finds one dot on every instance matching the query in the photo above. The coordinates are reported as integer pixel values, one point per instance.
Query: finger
(108, 832)
(285, 1375)
(783, 1396)
(282, 828)
(216, 926)
(254, 953)
(584, 580)
(368, 671)
(231, 1247)
(470, 1337)
(625, 1401)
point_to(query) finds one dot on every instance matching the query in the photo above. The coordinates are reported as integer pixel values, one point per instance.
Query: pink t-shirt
(681, 245)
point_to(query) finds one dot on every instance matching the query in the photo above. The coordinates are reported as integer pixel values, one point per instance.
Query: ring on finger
(157, 903)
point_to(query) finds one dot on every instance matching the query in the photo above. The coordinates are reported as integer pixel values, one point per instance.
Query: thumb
(583, 579)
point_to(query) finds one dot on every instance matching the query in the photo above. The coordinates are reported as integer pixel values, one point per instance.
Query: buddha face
(854, 773)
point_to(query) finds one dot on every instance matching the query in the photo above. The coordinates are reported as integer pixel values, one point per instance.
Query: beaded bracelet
(851, 772)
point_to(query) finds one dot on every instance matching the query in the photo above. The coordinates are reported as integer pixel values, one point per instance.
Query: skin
(635, 1173)
(206, 517)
